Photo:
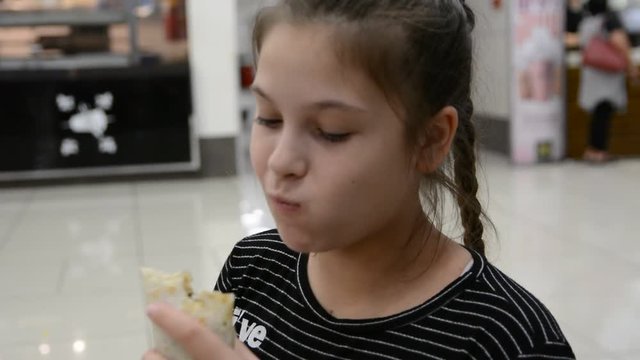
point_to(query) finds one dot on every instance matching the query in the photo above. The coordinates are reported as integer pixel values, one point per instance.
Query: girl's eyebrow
(329, 104)
(336, 105)
(258, 91)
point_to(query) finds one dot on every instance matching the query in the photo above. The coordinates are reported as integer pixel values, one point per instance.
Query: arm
(620, 40)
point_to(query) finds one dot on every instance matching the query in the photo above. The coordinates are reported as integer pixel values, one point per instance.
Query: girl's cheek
(260, 150)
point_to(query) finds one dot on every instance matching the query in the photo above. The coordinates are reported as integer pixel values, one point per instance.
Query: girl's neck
(386, 254)
(387, 273)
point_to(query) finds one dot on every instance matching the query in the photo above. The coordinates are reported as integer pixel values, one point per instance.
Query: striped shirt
(482, 315)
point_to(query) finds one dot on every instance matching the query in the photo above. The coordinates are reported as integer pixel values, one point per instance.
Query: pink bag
(601, 54)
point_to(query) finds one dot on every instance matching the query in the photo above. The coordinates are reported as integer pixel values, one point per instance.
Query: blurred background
(124, 130)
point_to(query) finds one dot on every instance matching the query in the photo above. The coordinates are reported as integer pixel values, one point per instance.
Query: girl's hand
(199, 342)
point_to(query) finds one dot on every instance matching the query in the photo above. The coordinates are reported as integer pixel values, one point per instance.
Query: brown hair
(419, 52)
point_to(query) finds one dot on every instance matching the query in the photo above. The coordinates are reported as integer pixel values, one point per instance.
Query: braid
(466, 181)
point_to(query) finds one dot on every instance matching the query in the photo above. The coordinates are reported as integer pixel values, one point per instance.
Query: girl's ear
(436, 140)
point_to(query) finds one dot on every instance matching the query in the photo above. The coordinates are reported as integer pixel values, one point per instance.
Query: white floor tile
(102, 229)
(520, 248)
(15, 195)
(603, 303)
(10, 216)
(31, 320)
(29, 275)
(630, 356)
(13, 203)
(70, 255)
(585, 349)
(125, 347)
(82, 221)
(93, 193)
(100, 275)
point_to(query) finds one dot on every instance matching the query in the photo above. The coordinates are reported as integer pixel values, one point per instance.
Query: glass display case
(94, 88)
(66, 34)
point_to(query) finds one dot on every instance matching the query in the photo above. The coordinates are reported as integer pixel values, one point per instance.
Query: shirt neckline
(406, 317)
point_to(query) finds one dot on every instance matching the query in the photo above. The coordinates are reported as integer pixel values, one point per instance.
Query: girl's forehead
(314, 39)
(304, 57)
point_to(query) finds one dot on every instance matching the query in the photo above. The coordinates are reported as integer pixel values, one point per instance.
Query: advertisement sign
(538, 110)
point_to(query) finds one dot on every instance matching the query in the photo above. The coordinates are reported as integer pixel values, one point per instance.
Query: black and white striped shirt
(482, 315)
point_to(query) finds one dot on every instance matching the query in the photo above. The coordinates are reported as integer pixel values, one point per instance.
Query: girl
(364, 110)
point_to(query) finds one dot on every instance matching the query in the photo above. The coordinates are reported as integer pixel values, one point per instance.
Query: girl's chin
(299, 246)
(300, 242)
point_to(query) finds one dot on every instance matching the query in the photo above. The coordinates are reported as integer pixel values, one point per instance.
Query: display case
(65, 35)
(93, 88)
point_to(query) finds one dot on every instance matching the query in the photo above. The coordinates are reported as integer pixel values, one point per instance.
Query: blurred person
(364, 119)
(602, 93)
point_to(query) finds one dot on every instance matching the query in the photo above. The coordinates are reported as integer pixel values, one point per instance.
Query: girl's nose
(288, 156)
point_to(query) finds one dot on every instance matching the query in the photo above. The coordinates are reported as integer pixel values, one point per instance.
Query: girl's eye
(270, 123)
(334, 138)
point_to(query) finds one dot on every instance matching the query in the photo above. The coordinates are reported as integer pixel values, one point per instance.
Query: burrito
(212, 309)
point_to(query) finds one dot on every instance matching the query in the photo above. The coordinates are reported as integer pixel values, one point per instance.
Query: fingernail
(152, 310)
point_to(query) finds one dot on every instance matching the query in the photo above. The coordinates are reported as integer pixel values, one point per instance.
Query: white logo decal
(65, 103)
(251, 334)
(88, 121)
(69, 147)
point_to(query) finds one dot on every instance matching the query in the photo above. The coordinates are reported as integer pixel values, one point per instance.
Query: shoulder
(505, 313)
(266, 242)
(522, 306)
(261, 253)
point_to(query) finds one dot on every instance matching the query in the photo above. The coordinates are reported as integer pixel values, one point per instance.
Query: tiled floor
(69, 254)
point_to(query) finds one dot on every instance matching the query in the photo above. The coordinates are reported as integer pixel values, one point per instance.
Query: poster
(538, 105)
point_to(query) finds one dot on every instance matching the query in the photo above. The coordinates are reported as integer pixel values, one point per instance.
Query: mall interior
(125, 143)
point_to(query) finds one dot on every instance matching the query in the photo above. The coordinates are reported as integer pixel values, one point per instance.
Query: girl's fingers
(197, 340)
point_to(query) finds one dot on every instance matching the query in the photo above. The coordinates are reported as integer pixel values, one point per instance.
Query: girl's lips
(283, 204)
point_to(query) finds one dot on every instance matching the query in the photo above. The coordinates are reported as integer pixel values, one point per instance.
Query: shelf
(61, 17)
(84, 61)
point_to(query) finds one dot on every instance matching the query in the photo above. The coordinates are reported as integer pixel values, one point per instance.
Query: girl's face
(328, 149)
